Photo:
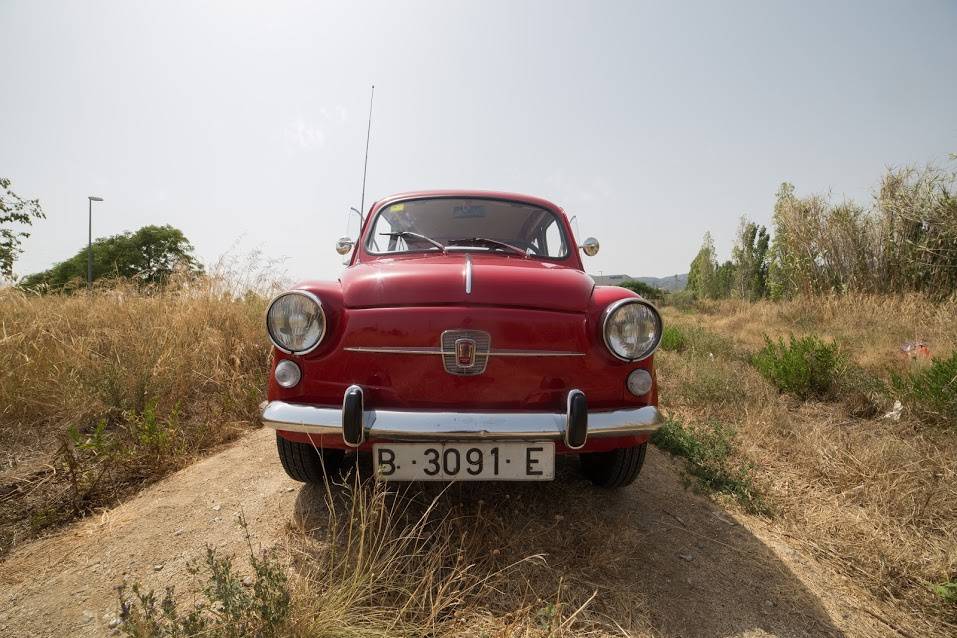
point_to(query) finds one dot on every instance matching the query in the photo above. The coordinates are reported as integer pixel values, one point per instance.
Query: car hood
(441, 280)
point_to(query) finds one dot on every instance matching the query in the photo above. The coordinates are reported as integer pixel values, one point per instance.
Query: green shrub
(711, 384)
(806, 367)
(258, 605)
(947, 591)
(649, 292)
(708, 451)
(697, 341)
(672, 338)
(931, 392)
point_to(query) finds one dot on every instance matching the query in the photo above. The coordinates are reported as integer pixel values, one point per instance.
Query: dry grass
(874, 497)
(381, 563)
(871, 328)
(101, 393)
(404, 564)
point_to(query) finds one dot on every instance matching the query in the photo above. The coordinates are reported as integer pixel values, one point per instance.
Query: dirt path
(693, 569)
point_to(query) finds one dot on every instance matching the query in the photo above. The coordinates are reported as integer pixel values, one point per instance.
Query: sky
(244, 124)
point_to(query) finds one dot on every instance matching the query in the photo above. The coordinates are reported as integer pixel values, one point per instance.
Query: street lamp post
(89, 246)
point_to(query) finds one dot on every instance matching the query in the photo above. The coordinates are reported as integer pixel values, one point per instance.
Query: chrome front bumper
(426, 425)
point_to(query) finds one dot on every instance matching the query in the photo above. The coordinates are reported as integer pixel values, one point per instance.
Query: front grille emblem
(465, 352)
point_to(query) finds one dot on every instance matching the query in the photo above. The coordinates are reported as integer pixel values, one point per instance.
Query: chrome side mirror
(590, 246)
(344, 245)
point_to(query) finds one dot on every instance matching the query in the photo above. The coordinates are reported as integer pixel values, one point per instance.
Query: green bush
(947, 591)
(672, 338)
(258, 605)
(697, 341)
(649, 292)
(931, 392)
(708, 451)
(805, 367)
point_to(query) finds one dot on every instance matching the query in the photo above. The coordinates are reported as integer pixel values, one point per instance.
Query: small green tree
(780, 267)
(750, 261)
(702, 270)
(149, 255)
(645, 290)
(706, 278)
(14, 210)
(723, 281)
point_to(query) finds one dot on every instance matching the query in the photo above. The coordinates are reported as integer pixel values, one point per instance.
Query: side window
(554, 245)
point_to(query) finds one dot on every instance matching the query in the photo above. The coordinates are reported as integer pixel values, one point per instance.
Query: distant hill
(673, 283)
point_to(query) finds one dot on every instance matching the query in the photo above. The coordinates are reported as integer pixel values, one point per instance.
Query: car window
(467, 224)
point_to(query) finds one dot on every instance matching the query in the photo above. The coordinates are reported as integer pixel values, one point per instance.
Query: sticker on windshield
(467, 211)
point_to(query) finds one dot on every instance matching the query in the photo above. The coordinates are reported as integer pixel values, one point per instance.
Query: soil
(689, 566)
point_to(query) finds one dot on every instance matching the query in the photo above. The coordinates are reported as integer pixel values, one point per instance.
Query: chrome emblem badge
(465, 352)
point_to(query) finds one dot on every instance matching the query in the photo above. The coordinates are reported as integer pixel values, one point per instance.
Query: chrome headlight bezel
(614, 307)
(321, 312)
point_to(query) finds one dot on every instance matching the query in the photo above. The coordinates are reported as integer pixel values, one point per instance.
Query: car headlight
(295, 322)
(632, 329)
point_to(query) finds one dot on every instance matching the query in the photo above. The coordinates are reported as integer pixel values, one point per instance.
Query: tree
(14, 210)
(645, 290)
(722, 282)
(702, 269)
(150, 255)
(750, 261)
(780, 266)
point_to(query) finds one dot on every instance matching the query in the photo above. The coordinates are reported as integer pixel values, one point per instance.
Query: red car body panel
(423, 279)
(408, 300)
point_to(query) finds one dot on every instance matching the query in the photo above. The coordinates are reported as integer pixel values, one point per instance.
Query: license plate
(464, 461)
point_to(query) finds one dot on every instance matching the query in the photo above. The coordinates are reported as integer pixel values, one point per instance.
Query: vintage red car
(463, 342)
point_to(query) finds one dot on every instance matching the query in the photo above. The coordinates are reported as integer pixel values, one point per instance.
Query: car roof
(470, 193)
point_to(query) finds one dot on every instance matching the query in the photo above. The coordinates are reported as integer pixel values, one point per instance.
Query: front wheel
(303, 463)
(616, 468)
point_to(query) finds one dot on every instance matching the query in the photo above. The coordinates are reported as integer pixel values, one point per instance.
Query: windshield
(454, 223)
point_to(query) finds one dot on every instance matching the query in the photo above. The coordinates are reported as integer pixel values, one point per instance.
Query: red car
(463, 342)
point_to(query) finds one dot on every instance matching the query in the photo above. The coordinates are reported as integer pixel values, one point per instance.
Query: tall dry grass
(381, 563)
(871, 328)
(102, 392)
(875, 497)
(397, 563)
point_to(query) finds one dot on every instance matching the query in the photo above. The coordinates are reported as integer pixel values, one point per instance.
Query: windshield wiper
(408, 233)
(492, 243)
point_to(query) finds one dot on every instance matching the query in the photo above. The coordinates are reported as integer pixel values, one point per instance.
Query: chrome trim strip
(396, 350)
(534, 353)
(412, 425)
(491, 353)
(468, 274)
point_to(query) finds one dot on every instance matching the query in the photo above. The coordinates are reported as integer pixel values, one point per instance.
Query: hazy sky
(243, 124)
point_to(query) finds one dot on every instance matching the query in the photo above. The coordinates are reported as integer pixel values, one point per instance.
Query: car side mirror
(590, 246)
(344, 245)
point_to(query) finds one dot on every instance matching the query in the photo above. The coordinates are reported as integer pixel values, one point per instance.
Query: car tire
(617, 468)
(303, 463)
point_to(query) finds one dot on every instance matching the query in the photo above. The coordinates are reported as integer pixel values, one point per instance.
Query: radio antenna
(365, 165)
